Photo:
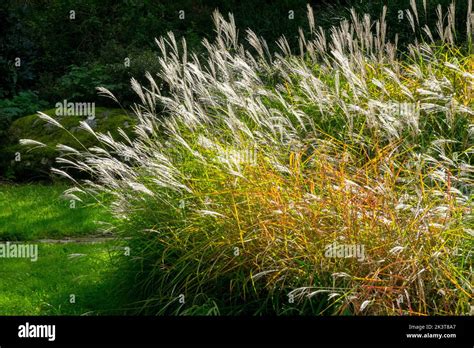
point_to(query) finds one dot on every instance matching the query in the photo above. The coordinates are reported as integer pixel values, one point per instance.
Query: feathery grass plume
(102, 91)
(28, 142)
(427, 30)
(440, 23)
(411, 20)
(339, 176)
(312, 26)
(415, 11)
(452, 22)
(49, 119)
(65, 148)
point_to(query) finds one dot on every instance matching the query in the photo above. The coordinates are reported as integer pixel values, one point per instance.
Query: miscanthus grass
(252, 164)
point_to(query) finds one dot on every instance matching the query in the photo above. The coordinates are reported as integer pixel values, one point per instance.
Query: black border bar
(288, 331)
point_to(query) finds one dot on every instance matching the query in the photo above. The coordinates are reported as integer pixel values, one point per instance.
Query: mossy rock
(35, 163)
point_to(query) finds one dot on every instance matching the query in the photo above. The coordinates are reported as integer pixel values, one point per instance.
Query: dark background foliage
(64, 58)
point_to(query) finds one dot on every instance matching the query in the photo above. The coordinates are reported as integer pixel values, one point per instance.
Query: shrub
(15, 43)
(80, 82)
(236, 200)
(119, 74)
(24, 103)
(29, 30)
(35, 164)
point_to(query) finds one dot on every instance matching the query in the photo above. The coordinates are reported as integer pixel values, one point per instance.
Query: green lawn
(44, 287)
(34, 211)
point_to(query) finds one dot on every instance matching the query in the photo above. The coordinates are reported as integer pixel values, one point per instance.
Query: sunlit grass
(45, 287)
(35, 211)
(262, 161)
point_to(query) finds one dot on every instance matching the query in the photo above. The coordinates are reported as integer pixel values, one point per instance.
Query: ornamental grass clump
(331, 179)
